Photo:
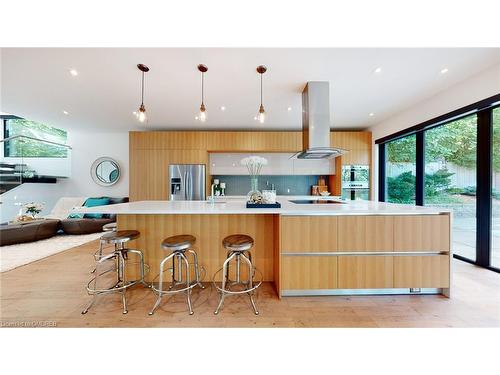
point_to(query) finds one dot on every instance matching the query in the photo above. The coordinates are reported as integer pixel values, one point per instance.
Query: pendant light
(203, 112)
(261, 69)
(141, 113)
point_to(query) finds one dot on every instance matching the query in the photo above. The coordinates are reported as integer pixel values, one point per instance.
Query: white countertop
(237, 205)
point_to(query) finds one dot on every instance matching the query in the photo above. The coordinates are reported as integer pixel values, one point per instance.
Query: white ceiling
(36, 84)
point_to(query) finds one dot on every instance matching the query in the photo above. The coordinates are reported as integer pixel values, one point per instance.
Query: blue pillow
(93, 202)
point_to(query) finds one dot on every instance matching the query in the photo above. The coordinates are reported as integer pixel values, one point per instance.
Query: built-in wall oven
(356, 182)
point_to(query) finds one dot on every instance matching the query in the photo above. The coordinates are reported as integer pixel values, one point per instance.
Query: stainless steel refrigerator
(187, 182)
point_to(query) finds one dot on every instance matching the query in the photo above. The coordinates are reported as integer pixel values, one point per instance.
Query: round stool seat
(109, 227)
(178, 243)
(120, 236)
(238, 242)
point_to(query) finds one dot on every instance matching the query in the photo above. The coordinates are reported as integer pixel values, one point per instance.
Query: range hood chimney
(316, 122)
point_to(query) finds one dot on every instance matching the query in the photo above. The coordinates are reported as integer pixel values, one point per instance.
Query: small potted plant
(33, 209)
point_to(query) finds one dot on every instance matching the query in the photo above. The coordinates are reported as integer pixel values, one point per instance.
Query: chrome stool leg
(196, 268)
(160, 281)
(250, 272)
(188, 283)
(123, 278)
(225, 270)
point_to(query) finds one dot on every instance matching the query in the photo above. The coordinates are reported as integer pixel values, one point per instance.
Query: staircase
(13, 175)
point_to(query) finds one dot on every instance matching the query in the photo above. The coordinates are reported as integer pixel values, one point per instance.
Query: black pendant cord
(202, 88)
(260, 88)
(142, 92)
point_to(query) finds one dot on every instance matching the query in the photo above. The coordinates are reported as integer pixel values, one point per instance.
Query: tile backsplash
(284, 185)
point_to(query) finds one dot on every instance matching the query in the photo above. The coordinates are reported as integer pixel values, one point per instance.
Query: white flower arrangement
(254, 164)
(33, 208)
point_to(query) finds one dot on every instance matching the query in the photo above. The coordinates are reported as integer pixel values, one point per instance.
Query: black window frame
(484, 111)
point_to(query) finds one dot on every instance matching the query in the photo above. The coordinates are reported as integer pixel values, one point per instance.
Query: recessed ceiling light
(196, 117)
(222, 108)
(73, 72)
(134, 113)
(255, 118)
(444, 70)
(378, 70)
(289, 108)
(66, 112)
(371, 114)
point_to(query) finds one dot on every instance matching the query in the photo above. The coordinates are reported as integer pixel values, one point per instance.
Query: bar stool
(120, 255)
(110, 227)
(178, 246)
(238, 246)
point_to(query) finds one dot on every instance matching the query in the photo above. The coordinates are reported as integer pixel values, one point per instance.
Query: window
(450, 178)
(33, 148)
(400, 170)
(453, 162)
(495, 196)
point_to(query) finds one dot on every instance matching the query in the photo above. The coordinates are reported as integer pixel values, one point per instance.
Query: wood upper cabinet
(308, 272)
(169, 140)
(422, 233)
(365, 272)
(431, 271)
(308, 234)
(358, 145)
(365, 233)
(149, 165)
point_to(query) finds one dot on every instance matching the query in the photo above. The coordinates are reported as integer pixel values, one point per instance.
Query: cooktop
(320, 201)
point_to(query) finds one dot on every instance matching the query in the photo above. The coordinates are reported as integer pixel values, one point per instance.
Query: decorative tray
(263, 205)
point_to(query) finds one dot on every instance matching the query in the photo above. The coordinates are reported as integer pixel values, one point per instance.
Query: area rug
(13, 256)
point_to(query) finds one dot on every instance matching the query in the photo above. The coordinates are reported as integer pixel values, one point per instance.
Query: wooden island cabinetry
(354, 247)
(364, 253)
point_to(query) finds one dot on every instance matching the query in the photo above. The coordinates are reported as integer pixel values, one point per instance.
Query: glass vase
(254, 188)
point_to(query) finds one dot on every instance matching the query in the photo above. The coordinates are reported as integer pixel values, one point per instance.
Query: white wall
(471, 90)
(87, 146)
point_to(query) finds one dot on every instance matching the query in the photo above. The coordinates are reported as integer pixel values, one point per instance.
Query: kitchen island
(307, 248)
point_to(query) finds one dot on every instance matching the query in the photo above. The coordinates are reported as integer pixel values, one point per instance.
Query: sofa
(58, 220)
(86, 225)
(30, 231)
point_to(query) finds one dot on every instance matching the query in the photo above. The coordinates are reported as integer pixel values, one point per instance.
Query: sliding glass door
(451, 162)
(495, 196)
(400, 170)
(450, 178)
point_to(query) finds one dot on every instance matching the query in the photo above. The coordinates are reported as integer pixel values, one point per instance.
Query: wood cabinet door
(365, 233)
(431, 271)
(308, 234)
(422, 233)
(308, 272)
(365, 272)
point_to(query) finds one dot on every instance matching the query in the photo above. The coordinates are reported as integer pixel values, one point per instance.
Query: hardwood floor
(52, 290)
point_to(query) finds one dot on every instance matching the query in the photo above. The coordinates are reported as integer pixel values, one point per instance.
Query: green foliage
(437, 182)
(455, 143)
(24, 147)
(401, 189)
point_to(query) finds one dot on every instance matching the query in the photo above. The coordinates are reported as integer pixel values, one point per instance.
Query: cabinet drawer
(365, 272)
(366, 233)
(308, 234)
(422, 233)
(422, 271)
(308, 272)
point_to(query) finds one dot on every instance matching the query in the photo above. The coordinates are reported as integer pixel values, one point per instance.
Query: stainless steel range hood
(316, 123)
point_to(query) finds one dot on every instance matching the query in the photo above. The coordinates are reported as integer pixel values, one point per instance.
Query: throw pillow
(93, 202)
